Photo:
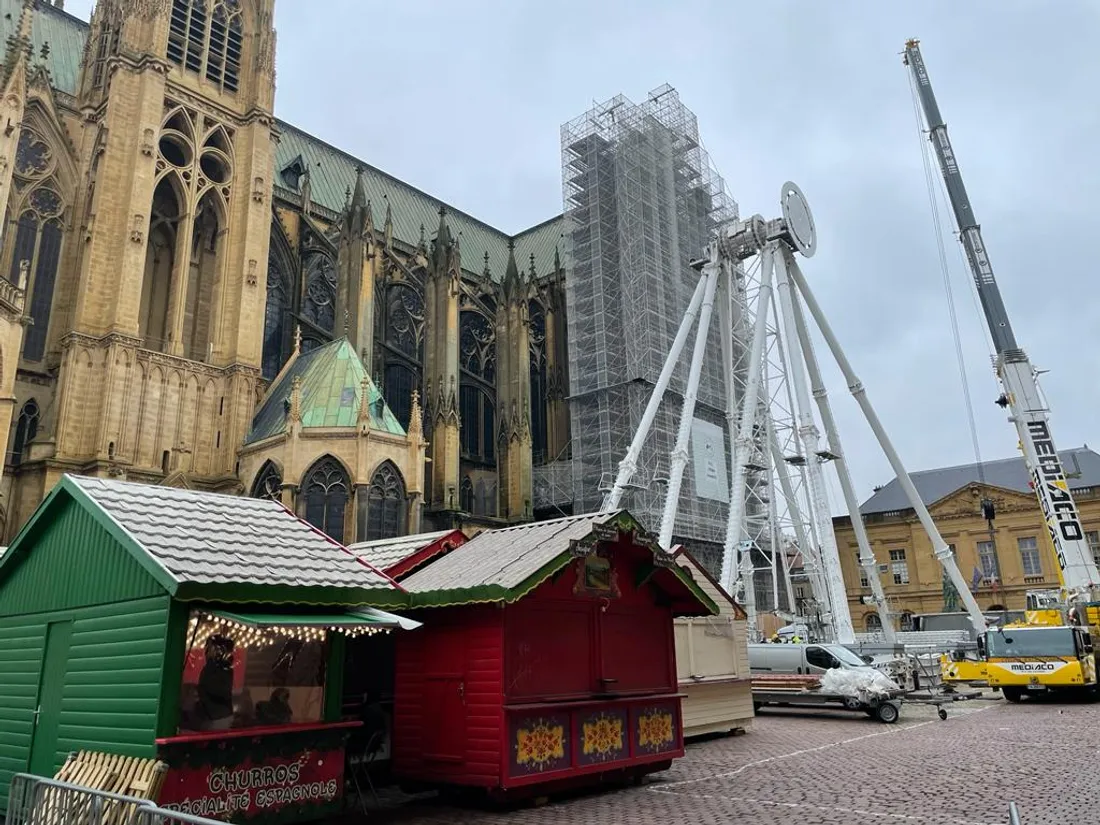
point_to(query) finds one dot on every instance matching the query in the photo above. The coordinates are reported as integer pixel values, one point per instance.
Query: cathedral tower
(158, 311)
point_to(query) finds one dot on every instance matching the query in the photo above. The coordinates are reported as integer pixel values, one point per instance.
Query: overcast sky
(465, 100)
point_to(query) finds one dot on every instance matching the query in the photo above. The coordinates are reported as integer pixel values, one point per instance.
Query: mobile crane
(1047, 651)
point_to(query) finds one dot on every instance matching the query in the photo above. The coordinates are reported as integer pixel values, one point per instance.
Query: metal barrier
(1013, 814)
(36, 800)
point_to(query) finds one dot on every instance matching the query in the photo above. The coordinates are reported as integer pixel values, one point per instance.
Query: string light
(254, 637)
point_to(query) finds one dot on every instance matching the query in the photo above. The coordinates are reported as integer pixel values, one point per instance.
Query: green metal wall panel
(74, 563)
(22, 642)
(112, 681)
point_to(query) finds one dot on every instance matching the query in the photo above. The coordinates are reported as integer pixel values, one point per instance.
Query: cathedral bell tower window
(206, 37)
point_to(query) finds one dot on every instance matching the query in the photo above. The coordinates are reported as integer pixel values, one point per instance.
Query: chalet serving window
(239, 676)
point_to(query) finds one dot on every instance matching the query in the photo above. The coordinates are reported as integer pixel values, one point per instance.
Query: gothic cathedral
(197, 294)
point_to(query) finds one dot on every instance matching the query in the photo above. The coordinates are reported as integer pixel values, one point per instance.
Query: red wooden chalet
(546, 658)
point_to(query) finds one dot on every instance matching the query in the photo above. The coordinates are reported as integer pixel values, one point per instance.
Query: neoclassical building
(201, 295)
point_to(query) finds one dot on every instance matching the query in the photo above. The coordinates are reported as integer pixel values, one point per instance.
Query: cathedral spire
(442, 241)
(387, 227)
(512, 278)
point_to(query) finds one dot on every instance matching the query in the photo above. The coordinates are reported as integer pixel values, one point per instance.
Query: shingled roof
(214, 547)
(1081, 464)
(332, 171)
(505, 565)
(398, 556)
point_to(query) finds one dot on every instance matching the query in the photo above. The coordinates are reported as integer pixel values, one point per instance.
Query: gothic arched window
(399, 385)
(106, 48)
(208, 41)
(36, 220)
(26, 428)
(477, 346)
(319, 305)
(275, 312)
(478, 433)
(160, 264)
(326, 489)
(477, 358)
(466, 495)
(539, 445)
(385, 504)
(269, 483)
(402, 350)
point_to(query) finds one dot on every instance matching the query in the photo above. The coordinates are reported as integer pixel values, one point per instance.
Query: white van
(801, 658)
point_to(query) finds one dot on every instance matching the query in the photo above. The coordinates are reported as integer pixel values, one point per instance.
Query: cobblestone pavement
(833, 768)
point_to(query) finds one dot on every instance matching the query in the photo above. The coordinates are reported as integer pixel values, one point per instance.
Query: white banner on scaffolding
(708, 452)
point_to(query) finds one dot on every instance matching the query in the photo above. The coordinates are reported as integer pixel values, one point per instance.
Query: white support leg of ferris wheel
(942, 551)
(711, 269)
(866, 554)
(840, 616)
(794, 512)
(742, 449)
(804, 525)
(630, 461)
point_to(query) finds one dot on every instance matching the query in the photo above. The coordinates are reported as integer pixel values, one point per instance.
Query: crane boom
(1076, 567)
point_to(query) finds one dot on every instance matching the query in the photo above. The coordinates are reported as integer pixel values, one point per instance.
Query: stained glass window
(269, 483)
(539, 436)
(319, 306)
(274, 316)
(477, 346)
(386, 504)
(326, 492)
(26, 428)
(406, 320)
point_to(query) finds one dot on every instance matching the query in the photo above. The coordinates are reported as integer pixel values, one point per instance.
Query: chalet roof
(207, 545)
(385, 553)
(1081, 464)
(506, 564)
(332, 171)
(332, 379)
(726, 603)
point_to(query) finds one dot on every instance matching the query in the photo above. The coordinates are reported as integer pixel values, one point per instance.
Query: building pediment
(966, 502)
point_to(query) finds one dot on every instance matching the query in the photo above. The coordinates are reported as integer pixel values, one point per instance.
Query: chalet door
(635, 647)
(445, 698)
(51, 686)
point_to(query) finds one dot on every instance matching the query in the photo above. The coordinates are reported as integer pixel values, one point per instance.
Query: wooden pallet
(124, 775)
(109, 773)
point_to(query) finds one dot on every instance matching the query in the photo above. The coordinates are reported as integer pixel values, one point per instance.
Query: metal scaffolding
(642, 200)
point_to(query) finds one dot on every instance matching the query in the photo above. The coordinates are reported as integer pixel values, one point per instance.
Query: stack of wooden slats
(785, 682)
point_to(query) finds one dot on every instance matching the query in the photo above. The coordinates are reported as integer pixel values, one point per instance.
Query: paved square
(834, 768)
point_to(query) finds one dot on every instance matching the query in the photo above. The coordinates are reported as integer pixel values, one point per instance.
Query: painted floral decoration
(603, 736)
(655, 730)
(540, 744)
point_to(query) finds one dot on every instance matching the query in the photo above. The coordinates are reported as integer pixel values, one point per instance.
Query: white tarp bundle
(860, 683)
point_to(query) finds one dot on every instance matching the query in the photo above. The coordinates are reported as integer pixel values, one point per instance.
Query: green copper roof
(332, 379)
(332, 171)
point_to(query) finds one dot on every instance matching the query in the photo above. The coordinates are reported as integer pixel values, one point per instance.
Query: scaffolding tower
(641, 201)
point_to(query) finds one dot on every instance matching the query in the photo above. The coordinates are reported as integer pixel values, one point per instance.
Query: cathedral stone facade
(197, 294)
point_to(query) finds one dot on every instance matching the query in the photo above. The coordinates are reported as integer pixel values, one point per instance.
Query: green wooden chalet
(95, 597)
